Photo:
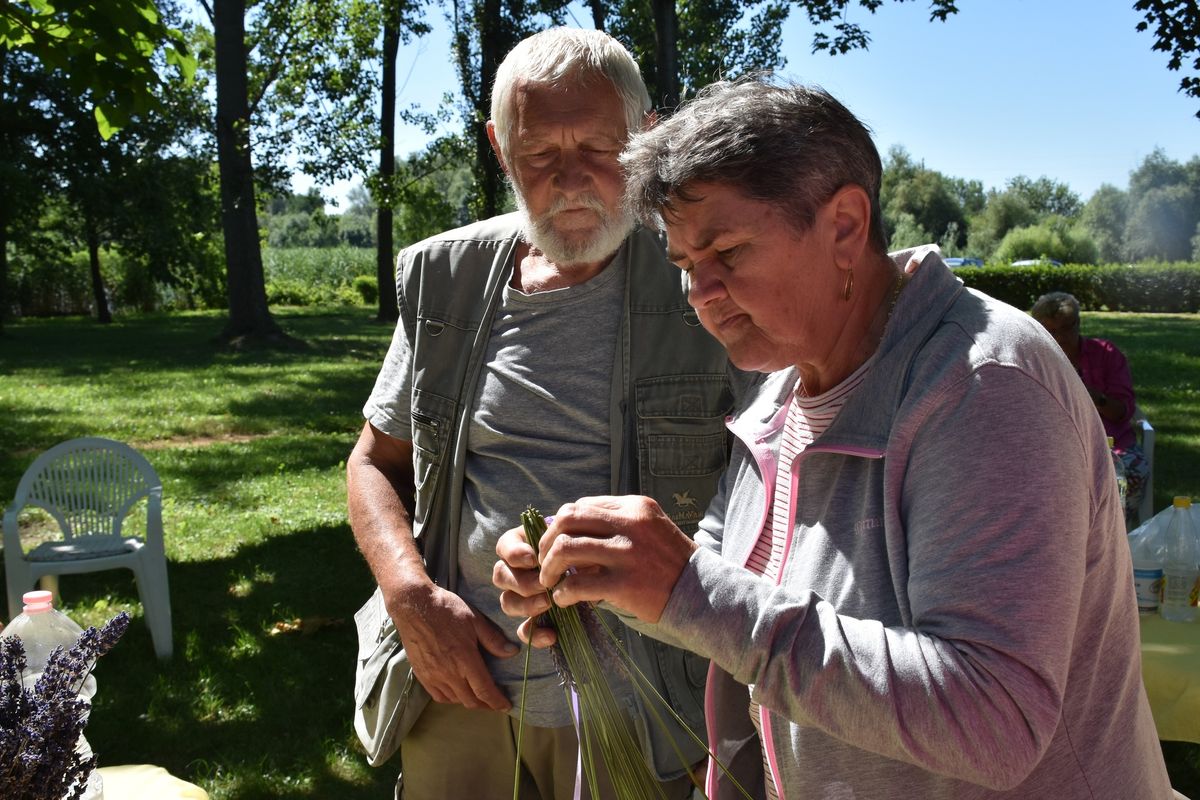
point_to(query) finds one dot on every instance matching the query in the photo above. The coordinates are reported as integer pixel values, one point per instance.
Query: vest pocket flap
(701, 396)
(686, 455)
(387, 697)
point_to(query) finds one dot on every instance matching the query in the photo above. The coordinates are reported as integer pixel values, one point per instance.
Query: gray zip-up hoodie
(955, 615)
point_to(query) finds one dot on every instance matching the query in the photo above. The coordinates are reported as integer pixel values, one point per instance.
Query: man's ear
(491, 134)
(849, 212)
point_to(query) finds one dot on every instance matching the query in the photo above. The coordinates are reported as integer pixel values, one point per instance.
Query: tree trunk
(666, 35)
(599, 14)
(249, 316)
(492, 48)
(3, 267)
(384, 269)
(99, 293)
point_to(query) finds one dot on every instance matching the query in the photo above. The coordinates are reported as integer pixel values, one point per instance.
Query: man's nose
(572, 173)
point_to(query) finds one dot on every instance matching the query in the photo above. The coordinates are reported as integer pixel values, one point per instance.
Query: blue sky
(1068, 89)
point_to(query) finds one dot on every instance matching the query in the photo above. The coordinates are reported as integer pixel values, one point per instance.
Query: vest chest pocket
(429, 440)
(681, 431)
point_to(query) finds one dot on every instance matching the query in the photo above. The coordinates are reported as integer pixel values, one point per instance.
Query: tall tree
(399, 23)
(1046, 196)
(291, 82)
(1104, 217)
(1163, 208)
(911, 191)
(680, 47)
(389, 310)
(483, 33)
(249, 315)
(24, 128)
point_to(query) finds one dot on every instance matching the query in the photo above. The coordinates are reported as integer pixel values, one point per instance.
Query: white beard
(581, 248)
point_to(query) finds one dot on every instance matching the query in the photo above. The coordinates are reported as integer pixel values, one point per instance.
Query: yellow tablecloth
(1171, 672)
(147, 782)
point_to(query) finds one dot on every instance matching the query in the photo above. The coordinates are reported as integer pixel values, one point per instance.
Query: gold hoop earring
(849, 287)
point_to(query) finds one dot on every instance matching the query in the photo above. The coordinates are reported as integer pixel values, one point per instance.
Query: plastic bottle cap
(37, 602)
(1183, 502)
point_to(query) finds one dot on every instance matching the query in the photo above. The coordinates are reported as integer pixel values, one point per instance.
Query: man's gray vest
(670, 395)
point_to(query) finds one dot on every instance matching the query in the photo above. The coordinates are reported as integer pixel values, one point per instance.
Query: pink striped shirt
(807, 418)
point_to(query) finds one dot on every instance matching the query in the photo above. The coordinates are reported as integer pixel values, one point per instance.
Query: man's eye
(728, 255)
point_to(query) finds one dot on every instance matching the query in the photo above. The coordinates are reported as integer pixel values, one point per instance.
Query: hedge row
(1147, 287)
(345, 275)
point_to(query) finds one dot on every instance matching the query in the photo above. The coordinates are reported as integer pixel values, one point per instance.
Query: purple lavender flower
(40, 727)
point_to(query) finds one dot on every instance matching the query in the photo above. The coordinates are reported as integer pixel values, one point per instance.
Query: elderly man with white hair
(540, 355)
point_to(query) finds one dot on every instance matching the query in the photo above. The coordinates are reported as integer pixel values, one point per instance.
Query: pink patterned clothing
(1103, 367)
(807, 418)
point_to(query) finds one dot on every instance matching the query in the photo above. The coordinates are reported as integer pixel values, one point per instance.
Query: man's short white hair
(559, 55)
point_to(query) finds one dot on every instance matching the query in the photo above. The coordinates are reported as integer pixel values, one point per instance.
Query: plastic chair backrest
(88, 485)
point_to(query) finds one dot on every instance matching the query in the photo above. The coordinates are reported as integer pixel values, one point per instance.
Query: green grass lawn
(251, 449)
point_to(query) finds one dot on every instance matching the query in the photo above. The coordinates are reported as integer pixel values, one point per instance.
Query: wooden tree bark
(3, 267)
(492, 50)
(384, 267)
(249, 316)
(99, 292)
(666, 30)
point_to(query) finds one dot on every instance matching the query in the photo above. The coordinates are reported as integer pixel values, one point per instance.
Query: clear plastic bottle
(1119, 468)
(41, 628)
(1181, 564)
(1147, 549)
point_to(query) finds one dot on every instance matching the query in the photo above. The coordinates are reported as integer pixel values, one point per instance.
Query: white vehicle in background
(954, 262)
(1037, 262)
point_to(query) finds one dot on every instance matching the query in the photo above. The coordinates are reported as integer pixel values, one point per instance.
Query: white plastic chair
(89, 487)
(1144, 432)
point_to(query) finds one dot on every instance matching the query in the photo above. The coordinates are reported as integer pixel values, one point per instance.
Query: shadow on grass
(1164, 357)
(241, 711)
(320, 389)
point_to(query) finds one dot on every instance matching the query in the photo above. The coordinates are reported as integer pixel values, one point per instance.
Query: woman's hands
(622, 550)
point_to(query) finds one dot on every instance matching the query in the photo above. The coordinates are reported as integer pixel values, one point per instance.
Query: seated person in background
(1105, 373)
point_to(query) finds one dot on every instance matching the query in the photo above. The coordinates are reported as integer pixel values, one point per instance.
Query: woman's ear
(849, 211)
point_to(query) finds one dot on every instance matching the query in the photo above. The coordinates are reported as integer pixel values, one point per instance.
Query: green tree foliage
(142, 192)
(110, 51)
(1004, 211)
(1163, 209)
(906, 231)
(679, 46)
(299, 220)
(1104, 217)
(911, 191)
(1176, 25)
(1054, 237)
(713, 39)
(1045, 196)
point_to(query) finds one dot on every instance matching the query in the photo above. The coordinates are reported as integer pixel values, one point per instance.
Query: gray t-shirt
(538, 435)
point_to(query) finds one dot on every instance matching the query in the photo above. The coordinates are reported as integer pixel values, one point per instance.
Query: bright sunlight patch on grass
(251, 448)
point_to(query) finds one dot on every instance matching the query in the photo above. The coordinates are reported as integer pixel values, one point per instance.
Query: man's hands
(443, 636)
(624, 550)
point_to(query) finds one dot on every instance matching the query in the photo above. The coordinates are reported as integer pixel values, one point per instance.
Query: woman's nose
(704, 287)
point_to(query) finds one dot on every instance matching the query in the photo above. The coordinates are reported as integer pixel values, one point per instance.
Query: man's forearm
(382, 525)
